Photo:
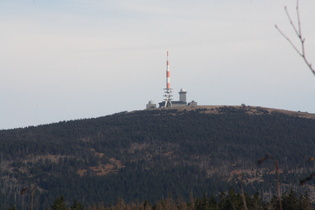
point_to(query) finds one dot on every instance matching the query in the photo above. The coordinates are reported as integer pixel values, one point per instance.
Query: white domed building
(151, 105)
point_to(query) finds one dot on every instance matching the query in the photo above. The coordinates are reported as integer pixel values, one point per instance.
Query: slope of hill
(147, 155)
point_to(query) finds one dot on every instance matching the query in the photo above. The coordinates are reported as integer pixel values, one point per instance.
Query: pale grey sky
(72, 59)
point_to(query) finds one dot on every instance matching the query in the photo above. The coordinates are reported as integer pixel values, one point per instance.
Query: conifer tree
(77, 206)
(59, 204)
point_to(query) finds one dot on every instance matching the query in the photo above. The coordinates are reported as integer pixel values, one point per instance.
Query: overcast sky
(73, 59)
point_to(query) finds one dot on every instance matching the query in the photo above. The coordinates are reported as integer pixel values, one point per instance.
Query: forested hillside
(151, 154)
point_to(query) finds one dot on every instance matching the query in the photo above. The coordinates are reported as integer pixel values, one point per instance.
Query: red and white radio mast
(168, 89)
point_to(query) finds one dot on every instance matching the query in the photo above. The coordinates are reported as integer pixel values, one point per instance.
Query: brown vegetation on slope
(215, 109)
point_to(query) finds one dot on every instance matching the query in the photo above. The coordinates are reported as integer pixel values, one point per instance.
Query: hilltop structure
(168, 102)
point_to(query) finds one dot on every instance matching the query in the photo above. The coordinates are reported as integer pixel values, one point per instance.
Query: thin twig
(240, 177)
(291, 22)
(298, 17)
(299, 35)
(278, 184)
(303, 181)
(289, 40)
(310, 177)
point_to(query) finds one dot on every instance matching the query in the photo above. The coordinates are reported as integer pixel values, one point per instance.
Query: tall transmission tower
(168, 89)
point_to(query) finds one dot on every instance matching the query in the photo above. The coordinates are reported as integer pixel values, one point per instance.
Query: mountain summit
(150, 154)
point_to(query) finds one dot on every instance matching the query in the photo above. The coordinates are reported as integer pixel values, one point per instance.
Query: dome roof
(151, 102)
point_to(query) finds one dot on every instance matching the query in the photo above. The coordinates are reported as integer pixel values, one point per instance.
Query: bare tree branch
(298, 31)
(291, 22)
(289, 40)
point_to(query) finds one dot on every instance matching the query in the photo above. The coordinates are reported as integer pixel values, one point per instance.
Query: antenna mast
(168, 89)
